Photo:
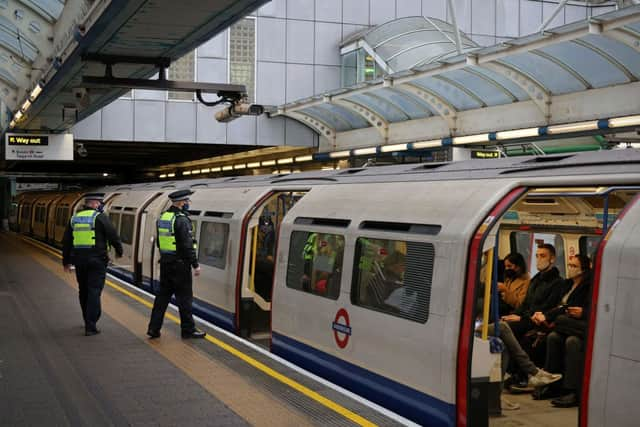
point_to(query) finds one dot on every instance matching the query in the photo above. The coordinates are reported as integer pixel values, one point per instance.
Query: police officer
(85, 243)
(177, 257)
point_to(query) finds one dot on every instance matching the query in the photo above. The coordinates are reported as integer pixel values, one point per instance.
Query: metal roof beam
(374, 119)
(444, 109)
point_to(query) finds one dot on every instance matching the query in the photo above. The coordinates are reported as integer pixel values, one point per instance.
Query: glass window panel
(329, 118)
(184, 69)
(354, 120)
(242, 55)
(421, 55)
(455, 96)
(593, 67)
(315, 263)
(409, 41)
(550, 75)
(381, 107)
(621, 52)
(393, 277)
(126, 228)
(115, 220)
(349, 69)
(589, 246)
(503, 81)
(390, 29)
(212, 247)
(484, 89)
(414, 107)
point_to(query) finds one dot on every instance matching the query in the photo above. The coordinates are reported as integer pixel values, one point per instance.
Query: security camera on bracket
(238, 109)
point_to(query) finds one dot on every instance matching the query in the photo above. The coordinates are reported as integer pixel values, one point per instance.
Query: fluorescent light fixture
(296, 171)
(171, 175)
(17, 116)
(186, 173)
(105, 174)
(394, 147)
(240, 166)
(327, 168)
(12, 124)
(227, 168)
(517, 133)
(205, 170)
(195, 172)
(470, 139)
(619, 122)
(26, 105)
(365, 151)
(35, 92)
(572, 127)
(253, 165)
(269, 163)
(162, 175)
(285, 161)
(427, 144)
(216, 169)
(304, 158)
(287, 171)
(339, 154)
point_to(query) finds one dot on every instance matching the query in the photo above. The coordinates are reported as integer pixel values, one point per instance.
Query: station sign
(485, 154)
(38, 146)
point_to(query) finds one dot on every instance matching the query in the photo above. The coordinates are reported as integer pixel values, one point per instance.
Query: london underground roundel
(341, 328)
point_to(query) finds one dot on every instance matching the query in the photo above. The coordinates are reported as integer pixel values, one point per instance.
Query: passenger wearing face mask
(516, 283)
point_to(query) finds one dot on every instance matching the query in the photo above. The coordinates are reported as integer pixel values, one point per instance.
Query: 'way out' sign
(38, 146)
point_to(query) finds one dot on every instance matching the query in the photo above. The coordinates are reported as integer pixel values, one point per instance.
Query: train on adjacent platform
(374, 277)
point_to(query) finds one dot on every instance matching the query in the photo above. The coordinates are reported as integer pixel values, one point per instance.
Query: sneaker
(507, 405)
(543, 377)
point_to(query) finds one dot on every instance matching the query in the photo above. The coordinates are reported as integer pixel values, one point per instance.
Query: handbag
(570, 326)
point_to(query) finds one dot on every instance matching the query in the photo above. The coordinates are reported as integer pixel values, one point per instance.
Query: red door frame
(465, 339)
(588, 360)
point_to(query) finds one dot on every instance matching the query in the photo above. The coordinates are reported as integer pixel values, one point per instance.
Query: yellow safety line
(246, 358)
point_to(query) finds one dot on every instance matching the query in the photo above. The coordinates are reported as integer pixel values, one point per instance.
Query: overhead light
(426, 144)
(205, 170)
(470, 139)
(285, 161)
(17, 116)
(365, 151)
(240, 166)
(26, 105)
(518, 133)
(105, 174)
(327, 168)
(573, 127)
(227, 168)
(269, 163)
(12, 124)
(253, 165)
(216, 169)
(394, 147)
(339, 154)
(35, 92)
(171, 175)
(285, 171)
(296, 171)
(304, 158)
(195, 172)
(162, 175)
(186, 172)
(619, 122)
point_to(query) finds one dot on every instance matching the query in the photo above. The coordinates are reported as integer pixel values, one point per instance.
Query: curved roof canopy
(543, 78)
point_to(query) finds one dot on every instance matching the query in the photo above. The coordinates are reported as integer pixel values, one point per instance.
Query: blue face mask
(185, 207)
(100, 207)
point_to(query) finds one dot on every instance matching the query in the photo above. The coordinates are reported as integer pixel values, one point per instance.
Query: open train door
(594, 221)
(260, 228)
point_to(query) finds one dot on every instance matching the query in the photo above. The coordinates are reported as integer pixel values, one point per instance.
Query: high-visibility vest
(166, 232)
(83, 225)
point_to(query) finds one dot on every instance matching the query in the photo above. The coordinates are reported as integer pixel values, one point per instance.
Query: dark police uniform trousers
(175, 279)
(91, 272)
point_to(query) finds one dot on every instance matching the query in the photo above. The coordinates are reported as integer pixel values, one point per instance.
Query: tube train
(372, 277)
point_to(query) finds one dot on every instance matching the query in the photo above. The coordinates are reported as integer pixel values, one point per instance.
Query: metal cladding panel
(181, 121)
(149, 121)
(117, 121)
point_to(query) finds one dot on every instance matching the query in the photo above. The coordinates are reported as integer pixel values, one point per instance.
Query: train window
(115, 220)
(393, 277)
(315, 263)
(526, 242)
(589, 245)
(64, 217)
(126, 228)
(213, 244)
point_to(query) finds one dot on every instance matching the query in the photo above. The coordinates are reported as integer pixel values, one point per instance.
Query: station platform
(51, 374)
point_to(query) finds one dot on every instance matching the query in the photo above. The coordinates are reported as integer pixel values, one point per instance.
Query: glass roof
(430, 77)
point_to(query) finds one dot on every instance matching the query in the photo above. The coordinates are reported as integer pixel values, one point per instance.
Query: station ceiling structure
(457, 93)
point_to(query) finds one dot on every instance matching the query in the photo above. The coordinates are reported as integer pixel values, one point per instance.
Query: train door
(260, 228)
(548, 329)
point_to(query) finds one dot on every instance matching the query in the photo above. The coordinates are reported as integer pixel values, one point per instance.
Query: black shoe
(153, 334)
(193, 334)
(90, 332)
(567, 401)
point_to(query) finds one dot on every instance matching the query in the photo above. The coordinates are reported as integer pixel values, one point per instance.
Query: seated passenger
(516, 283)
(385, 280)
(565, 345)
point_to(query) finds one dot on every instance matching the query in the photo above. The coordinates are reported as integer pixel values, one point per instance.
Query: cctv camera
(238, 109)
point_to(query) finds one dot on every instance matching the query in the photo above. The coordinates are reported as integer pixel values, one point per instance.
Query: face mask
(185, 207)
(573, 272)
(542, 265)
(100, 207)
(510, 274)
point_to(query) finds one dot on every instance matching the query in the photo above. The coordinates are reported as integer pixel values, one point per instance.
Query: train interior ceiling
(574, 220)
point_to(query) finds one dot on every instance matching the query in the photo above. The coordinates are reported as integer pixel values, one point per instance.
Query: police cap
(94, 196)
(179, 195)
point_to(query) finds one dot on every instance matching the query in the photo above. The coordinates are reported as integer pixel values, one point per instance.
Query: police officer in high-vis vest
(85, 245)
(178, 256)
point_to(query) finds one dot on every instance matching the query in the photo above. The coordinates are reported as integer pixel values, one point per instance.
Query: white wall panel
(297, 134)
(149, 124)
(326, 78)
(382, 11)
(355, 12)
(89, 128)
(242, 131)
(270, 131)
(274, 9)
(530, 16)
(408, 8)
(117, 121)
(215, 47)
(329, 10)
(209, 130)
(327, 40)
(547, 10)
(575, 13)
(350, 29)
(181, 121)
(211, 70)
(483, 17)
(299, 81)
(507, 18)
(271, 39)
(270, 84)
(300, 41)
(300, 9)
(435, 9)
(463, 14)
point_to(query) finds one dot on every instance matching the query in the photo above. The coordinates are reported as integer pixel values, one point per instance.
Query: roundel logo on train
(341, 328)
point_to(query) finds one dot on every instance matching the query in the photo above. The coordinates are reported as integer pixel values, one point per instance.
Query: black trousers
(90, 273)
(565, 354)
(175, 279)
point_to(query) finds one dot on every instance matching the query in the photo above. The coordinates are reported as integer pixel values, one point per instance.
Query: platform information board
(38, 146)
